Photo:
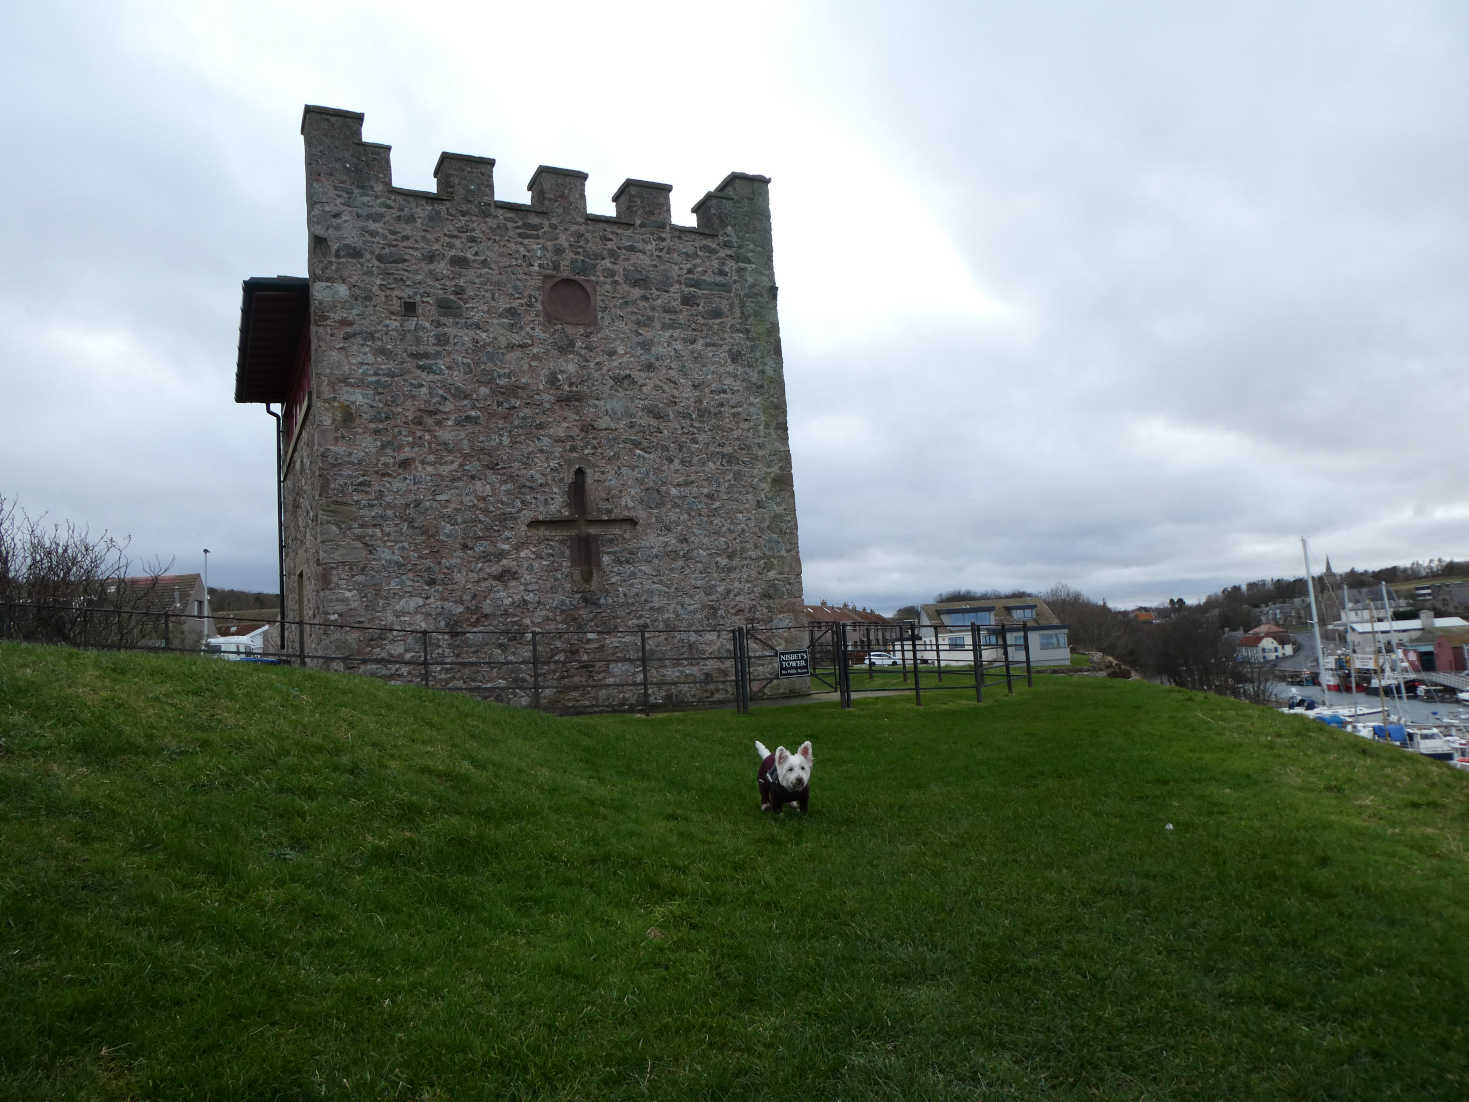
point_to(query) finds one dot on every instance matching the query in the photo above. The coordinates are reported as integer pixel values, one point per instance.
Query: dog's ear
(805, 750)
(782, 755)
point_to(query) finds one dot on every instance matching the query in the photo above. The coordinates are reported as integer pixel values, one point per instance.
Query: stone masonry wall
(470, 354)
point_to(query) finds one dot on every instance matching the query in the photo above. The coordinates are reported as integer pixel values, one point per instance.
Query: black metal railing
(569, 670)
(927, 657)
(561, 670)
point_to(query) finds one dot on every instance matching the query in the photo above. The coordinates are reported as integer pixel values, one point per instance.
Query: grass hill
(232, 881)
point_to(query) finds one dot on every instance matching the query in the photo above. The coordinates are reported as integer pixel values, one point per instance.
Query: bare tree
(1094, 626)
(60, 584)
(1191, 651)
(1254, 682)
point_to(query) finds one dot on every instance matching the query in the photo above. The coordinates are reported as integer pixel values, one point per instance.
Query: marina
(1434, 730)
(1411, 710)
(1379, 685)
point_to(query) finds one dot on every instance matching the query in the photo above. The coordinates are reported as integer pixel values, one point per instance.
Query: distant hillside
(234, 881)
(231, 600)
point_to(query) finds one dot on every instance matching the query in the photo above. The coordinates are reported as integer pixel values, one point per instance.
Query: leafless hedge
(54, 576)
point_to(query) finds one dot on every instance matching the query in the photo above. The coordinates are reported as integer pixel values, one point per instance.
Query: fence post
(424, 634)
(734, 657)
(847, 666)
(739, 673)
(917, 692)
(1025, 634)
(742, 670)
(844, 668)
(978, 664)
(1005, 650)
(167, 638)
(749, 678)
(535, 675)
(643, 648)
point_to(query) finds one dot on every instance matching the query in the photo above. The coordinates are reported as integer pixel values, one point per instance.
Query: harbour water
(1412, 710)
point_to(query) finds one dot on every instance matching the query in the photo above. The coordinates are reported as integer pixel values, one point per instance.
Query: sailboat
(1430, 741)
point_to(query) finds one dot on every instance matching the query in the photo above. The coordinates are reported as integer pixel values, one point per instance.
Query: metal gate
(760, 663)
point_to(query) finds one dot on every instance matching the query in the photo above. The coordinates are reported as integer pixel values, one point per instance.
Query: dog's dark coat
(771, 791)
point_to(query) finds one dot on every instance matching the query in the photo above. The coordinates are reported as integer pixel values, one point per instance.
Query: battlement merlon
(560, 192)
(740, 203)
(644, 203)
(335, 151)
(345, 125)
(461, 176)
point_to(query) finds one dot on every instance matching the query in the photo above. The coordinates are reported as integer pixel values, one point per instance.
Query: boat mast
(1397, 655)
(1315, 620)
(1378, 672)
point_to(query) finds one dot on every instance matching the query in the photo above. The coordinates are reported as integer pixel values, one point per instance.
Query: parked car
(883, 658)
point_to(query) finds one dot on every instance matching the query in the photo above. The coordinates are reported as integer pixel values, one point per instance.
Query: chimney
(1425, 618)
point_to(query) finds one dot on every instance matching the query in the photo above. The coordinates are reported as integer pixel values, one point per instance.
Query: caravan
(246, 645)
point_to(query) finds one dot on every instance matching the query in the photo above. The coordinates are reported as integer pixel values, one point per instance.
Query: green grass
(223, 881)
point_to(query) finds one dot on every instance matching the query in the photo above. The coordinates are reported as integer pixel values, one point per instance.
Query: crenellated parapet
(337, 156)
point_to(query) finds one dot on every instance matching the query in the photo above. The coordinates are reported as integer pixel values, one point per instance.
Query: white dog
(784, 778)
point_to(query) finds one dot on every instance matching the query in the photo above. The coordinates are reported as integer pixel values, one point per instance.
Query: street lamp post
(206, 593)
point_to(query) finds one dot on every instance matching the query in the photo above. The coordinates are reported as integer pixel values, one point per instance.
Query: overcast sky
(1129, 296)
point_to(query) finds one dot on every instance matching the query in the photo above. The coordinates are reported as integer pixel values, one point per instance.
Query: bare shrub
(61, 584)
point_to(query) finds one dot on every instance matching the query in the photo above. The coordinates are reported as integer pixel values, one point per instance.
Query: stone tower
(522, 414)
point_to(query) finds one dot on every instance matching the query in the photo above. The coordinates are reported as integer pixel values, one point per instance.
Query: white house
(1005, 623)
(1265, 647)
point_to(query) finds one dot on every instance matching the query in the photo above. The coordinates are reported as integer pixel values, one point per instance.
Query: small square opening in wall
(410, 308)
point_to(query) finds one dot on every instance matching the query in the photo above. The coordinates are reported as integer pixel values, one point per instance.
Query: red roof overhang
(275, 312)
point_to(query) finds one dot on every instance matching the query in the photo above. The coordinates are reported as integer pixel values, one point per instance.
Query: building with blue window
(1005, 624)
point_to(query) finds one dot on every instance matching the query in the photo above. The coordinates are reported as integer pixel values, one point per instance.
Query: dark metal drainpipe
(280, 521)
